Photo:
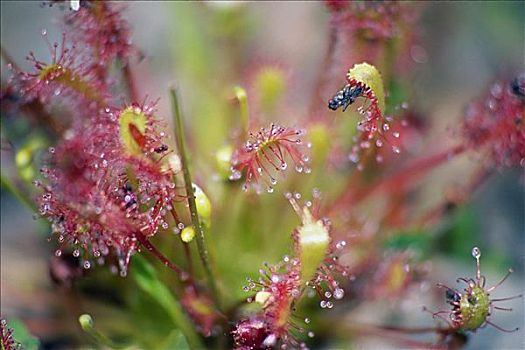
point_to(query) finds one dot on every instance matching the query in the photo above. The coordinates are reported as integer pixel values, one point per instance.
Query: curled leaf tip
(312, 242)
(369, 75)
(132, 127)
(86, 322)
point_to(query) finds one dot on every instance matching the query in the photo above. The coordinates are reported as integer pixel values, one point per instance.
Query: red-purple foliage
(101, 27)
(8, 342)
(66, 77)
(278, 287)
(269, 152)
(372, 20)
(111, 196)
(495, 123)
(251, 334)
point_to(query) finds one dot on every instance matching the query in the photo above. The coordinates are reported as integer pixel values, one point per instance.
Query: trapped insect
(345, 97)
(472, 308)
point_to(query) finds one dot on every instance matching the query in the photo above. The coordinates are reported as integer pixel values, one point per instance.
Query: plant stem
(130, 81)
(87, 325)
(186, 246)
(153, 250)
(395, 181)
(8, 185)
(201, 244)
(242, 98)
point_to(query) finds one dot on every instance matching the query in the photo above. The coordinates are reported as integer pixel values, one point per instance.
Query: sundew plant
(251, 175)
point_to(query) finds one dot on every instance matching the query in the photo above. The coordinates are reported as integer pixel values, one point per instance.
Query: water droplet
(379, 143)
(329, 304)
(404, 105)
(365, 144)
(284, 165)
(269, 189)
(87, 264)
(76, 253)
(51, 149)
(311, 334)
(353, 157)
(386, 127)
(322, 304)
(58, 253)
(339, 293)
(476, 253)
(396, 149)
(299, 168)
(395, 134)
(270, 340)
(307, 320)
(327, 294)
(496, 90)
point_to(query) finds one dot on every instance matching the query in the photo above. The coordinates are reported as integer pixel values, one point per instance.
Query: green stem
(87, 325)
(241, 96)
(8, 185)
(201, 244)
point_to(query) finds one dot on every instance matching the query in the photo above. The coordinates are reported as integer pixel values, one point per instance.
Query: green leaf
(21, 334)
(147, 280)
(175, 340)
(313, 245)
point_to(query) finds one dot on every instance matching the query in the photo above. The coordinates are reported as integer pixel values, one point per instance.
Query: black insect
(345, 97)
(452, 296)
(161, 148)
(518, 85)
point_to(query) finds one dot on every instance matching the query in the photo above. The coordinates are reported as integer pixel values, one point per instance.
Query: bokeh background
(197, 45)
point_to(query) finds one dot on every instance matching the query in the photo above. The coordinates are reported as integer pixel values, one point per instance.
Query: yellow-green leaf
(313, 245)
(370, 76)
